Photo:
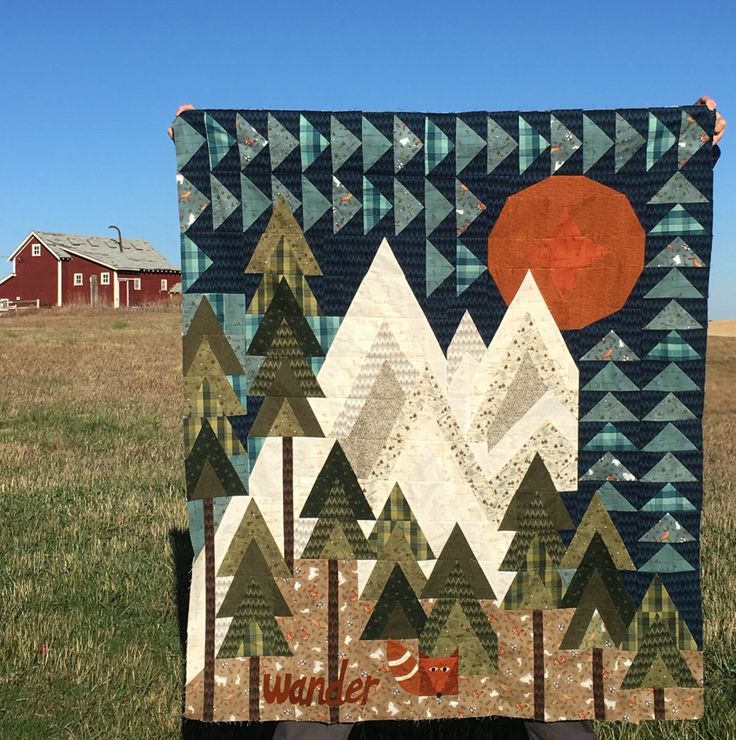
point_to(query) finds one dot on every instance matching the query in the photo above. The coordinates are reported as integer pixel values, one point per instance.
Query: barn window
(164, 284)
(104, 278)
(136, 283)
(78, 278)
(35, 250)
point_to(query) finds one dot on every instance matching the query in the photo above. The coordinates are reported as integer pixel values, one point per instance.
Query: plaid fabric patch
(669, 499)
(311, 142)
(299, 287)
(375, 205)
(324, 328)
(531, 144)
(678, 221)
(437, 145)
(221, 427)
(219, 141)
(674, 348)
(193, 262)
(609, 438)
(659, 141)
(657, 603)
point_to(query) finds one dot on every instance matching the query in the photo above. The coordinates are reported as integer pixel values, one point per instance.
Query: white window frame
(136, 283)
(104, 278)
(35, 249)
(78, 279)
(164, 284)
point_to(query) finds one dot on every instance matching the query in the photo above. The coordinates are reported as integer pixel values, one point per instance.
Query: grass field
(94, 544)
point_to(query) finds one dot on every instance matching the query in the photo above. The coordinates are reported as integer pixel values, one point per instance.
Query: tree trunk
(208, 706)
(659, 704)
(599, 704)
(287, 462)
(333, 630)
(538, 637)
(254, 689)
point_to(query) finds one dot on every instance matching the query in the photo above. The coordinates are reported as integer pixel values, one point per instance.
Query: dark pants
(576, 730)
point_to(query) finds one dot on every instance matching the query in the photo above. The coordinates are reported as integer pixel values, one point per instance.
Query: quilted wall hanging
(444, 388)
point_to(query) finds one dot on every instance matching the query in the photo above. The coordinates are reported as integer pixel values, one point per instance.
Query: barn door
(93, 294)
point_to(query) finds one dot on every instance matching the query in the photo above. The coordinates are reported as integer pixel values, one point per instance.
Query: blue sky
(90, 87)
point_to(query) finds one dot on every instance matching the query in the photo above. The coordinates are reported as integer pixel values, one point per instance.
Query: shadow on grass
(465, 729)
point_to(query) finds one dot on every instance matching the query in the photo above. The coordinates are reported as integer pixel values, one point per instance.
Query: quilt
(443, 379)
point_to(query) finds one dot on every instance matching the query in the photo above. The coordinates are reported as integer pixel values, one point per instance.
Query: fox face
(423, 676)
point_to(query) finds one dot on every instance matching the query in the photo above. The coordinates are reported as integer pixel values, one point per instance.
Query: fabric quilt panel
(443, 381)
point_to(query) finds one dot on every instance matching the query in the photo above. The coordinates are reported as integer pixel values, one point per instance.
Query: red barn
(59, 269)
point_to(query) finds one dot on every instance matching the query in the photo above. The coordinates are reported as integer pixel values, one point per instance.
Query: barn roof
(137, 255)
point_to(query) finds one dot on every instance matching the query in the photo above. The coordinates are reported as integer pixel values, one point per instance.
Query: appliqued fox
(423, 676)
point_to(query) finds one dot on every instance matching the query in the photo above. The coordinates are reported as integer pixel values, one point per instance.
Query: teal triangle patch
(188, 141)
(670, 439)
(610, 378)
(281, 142)
(692, 137)
(628, 141)
(609, 408)
(612, 499)
(344, 205)
(666, 560)
(191, 202)
(670, 408)
(375, 205)
(611, 347)
(674, 285)
(669, 470)
(678, 189)
(673, 316)
(219, 141)
(406, 207)
(672, 378)
(468, 268)
(406, 144)
(241, 465)
(609, 438)
(375, 144)
(500, 145)
(255, 445)
(668, 499)
(609, 468)
(311, 142)
(468, 144)
(343, 142)
(314, 204)
(279, 190)
(223, 202)
(531, 145)
(437, 145)
(678, 221)
(677, 254)
(324, 328)
(254, 202)
(438, 268)
(673, 348)
(193, 262)
(467, 207)
(250, 141)
(436, 207)
(659, 141)
(596, 143)
(564, 143)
